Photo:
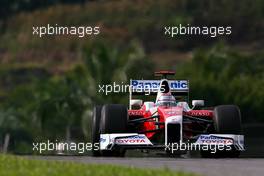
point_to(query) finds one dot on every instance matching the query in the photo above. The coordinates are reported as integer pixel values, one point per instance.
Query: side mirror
(196, 103)
(136, 102)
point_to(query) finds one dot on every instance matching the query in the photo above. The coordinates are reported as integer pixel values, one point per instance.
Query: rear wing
(178, 88)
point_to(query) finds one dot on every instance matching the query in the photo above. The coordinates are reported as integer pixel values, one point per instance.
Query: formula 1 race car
(169, 124)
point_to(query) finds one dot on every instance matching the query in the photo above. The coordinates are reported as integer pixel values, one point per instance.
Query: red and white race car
(167, 124)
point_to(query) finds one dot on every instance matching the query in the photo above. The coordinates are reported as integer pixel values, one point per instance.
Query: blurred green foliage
(124, 20)
(10, 7)
(59, 107)
(224, 76)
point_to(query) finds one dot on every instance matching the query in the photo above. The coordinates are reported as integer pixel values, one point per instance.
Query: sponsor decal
(132, 140)
(215, 140)
(173, 111)
(155, 84)
(199, 113)
(135, 113)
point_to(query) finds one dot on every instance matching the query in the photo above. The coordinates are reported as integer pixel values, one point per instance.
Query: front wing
(140, 141)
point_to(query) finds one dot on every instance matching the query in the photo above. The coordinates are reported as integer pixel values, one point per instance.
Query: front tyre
(96, 118)
(227, 120)
(114, 119)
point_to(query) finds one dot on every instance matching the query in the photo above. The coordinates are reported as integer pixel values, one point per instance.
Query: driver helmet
(166, 100)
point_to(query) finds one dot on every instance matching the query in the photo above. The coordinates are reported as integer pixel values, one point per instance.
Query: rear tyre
(114, 120)
(95, 130)
(227, 120)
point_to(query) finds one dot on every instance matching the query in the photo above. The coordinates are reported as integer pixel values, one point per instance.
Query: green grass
(17, 166)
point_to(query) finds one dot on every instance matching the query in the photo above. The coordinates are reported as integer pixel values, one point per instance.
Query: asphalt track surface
(207, 167)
